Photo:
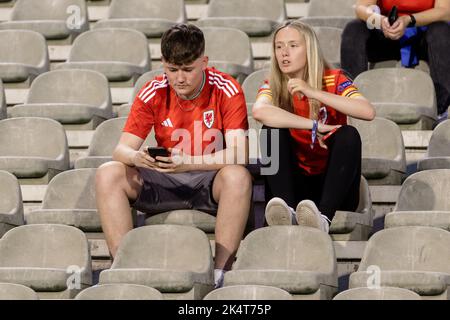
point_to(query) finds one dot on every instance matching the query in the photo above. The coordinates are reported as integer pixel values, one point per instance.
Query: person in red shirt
(422, 31)
(199, 116)
(307, 103)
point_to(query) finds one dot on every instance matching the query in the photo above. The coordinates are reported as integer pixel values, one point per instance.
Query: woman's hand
(397, 30)
(324, 132)
(301, 87)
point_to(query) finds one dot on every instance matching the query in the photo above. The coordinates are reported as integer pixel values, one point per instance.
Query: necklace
(194, 105)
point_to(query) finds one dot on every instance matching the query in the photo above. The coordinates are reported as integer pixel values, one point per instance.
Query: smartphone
(393, 15)
(158, 151)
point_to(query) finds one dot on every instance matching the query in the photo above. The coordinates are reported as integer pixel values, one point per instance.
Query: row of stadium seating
(54, 261)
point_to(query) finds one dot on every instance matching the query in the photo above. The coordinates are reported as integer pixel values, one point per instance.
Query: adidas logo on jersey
(167, 123)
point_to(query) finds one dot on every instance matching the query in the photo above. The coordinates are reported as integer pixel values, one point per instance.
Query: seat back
(172, 10)
(336, 8)
(47, 9)
(427, 190)
(270, 9)
(23, 46)
(440, 141)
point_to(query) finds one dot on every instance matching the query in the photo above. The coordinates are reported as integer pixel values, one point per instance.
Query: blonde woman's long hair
(314, 70)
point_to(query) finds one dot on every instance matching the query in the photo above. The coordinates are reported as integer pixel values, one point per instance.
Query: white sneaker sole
(307, 215)
(278, 213)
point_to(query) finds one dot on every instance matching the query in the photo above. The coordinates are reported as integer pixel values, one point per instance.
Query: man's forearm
(124, 154)
(219, 159)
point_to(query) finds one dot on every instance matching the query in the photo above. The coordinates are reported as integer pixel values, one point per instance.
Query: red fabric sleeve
(234, 111)
(140, 120)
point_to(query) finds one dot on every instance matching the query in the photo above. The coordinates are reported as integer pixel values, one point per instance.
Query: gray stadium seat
(124, 110)
(54, 19)
(69, 199)
(330, 44)
(11, 207)
(252, 83)
(120, 291)
(2, 101)
(334, 14)
(23, 56)
(193, 218)
(120, 54)
(413, 258)
(405, 96)
(383, 151)
(79, 99)
(53, 260)
(151, 17)
(237, 62)
(382, 293)
(254, 17)
(423, 201)
(438, 153)
(33, 149)
(248, 292)
(11, 291)
(347, 225)
(175, 260)
(105, 139)
(300, 260)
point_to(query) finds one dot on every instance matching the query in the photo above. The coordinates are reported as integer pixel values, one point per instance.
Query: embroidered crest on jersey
(208, 118)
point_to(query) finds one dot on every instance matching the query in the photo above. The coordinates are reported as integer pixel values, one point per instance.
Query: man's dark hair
(182, 44)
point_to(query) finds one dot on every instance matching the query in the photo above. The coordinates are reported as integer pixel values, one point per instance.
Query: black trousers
(360, 45)
(336, 189)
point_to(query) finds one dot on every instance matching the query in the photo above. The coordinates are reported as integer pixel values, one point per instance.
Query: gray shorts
(163, 192)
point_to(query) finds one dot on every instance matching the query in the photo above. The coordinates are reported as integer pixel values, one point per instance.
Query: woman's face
(290, 51)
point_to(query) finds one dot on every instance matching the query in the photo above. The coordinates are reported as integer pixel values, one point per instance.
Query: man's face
(186, 79)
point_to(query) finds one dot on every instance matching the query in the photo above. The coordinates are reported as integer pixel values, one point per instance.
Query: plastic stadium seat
(120, 54)
(423, 201)
(413, 258)
(119, 291)
(237, 62)
(252, 83)
(248, 292)
(175, 260)
(124, 110)
(104, 141)
(254, 17)
(382, 293)
(11, 207)
(54, 19)
(438, 153)
(347, 225)
(300, 260)
(53, 260)
(334, 14)
(70, 200)
(79, 99)
(151, 17)
(405, 96)
(33, 149)
(23, 55)
(383, 151)
(2, 102)
(11, 291)
(330, 43)
(193, 218)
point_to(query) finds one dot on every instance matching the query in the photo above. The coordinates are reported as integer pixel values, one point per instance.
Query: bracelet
(314, 133)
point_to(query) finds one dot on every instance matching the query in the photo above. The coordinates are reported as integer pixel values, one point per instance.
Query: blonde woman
(319, 154)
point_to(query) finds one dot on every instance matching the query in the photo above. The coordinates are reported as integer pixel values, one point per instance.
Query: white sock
(218, 278)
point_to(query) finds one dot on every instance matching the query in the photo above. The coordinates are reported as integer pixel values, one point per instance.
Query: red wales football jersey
(196, 126)
(314, 161)
(405, 6)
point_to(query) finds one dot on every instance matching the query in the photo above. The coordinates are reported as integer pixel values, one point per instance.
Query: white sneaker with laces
(308, 215)
(219, 276)
(279, 213)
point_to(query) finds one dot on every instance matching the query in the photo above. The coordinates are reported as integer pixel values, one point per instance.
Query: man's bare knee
(235, 177)
(115, 174)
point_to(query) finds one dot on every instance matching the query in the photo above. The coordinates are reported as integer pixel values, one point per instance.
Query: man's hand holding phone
(167, 160)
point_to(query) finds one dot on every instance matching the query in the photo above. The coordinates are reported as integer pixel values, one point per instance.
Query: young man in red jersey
(199, 115)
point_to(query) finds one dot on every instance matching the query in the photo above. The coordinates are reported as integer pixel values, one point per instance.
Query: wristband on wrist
(314, 133)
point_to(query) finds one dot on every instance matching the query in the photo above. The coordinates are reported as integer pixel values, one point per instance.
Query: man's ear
(205, 60)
